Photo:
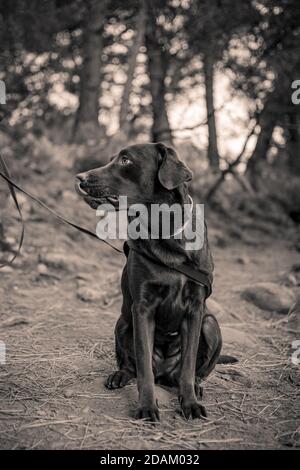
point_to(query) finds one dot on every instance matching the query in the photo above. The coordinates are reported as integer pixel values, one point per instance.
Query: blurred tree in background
(91, 69)
(86, 122)
(265, 75)
(211, 25)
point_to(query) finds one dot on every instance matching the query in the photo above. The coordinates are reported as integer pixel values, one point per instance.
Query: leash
(12, 186)
(199, 276)
(14, 196)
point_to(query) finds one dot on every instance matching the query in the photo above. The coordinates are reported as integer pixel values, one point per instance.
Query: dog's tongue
(112, 199)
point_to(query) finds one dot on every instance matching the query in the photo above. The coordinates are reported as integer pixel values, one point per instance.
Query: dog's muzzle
(94, 194)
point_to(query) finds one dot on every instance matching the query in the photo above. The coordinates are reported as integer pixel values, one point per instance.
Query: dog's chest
(181, 297)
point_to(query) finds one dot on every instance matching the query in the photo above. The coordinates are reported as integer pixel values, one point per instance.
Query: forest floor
(59, 304)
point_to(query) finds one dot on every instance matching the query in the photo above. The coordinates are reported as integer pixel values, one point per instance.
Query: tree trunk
(212, 151)
(267, 122)
(293, 141)
(124, 123)
(86, 125)
(157, 67)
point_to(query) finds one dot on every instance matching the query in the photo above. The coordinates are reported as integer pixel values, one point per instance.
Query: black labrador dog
(165, 334)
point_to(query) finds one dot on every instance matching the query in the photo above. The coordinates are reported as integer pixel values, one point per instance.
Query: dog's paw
(118, 379)
(148, 413)
(192, 409)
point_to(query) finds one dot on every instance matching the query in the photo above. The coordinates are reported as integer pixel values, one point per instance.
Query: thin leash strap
(6, 176)
(12, 186)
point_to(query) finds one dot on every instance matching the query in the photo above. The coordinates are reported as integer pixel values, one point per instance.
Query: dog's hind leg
(209, 349)
(125, 356)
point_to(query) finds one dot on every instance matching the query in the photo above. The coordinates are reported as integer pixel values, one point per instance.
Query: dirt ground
(59, 305)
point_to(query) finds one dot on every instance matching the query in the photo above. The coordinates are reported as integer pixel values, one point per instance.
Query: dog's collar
(181, 229)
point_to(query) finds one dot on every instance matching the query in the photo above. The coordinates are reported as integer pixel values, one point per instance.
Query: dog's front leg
(143, 332)
(190, 334)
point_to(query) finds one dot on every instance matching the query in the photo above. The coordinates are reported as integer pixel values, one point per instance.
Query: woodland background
(84, 79)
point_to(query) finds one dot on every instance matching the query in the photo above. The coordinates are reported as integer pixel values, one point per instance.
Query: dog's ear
(172, 171)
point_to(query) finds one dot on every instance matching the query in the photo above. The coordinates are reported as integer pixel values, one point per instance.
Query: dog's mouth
(94, 195)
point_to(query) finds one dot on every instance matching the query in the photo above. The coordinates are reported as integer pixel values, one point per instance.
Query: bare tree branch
(231, 166)
(199, 124)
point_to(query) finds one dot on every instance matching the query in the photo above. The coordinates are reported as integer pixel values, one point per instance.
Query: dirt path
(59, 306)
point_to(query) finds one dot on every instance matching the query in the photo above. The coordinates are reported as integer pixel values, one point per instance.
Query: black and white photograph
(149, 228)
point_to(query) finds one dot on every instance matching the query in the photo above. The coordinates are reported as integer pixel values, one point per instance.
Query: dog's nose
(81, 177)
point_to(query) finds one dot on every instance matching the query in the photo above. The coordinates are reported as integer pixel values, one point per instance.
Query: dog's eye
(124, 160)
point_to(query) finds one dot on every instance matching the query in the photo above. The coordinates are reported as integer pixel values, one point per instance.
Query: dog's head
(144, 173)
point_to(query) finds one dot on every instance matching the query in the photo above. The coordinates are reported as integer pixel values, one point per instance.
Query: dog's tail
(224, 359)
